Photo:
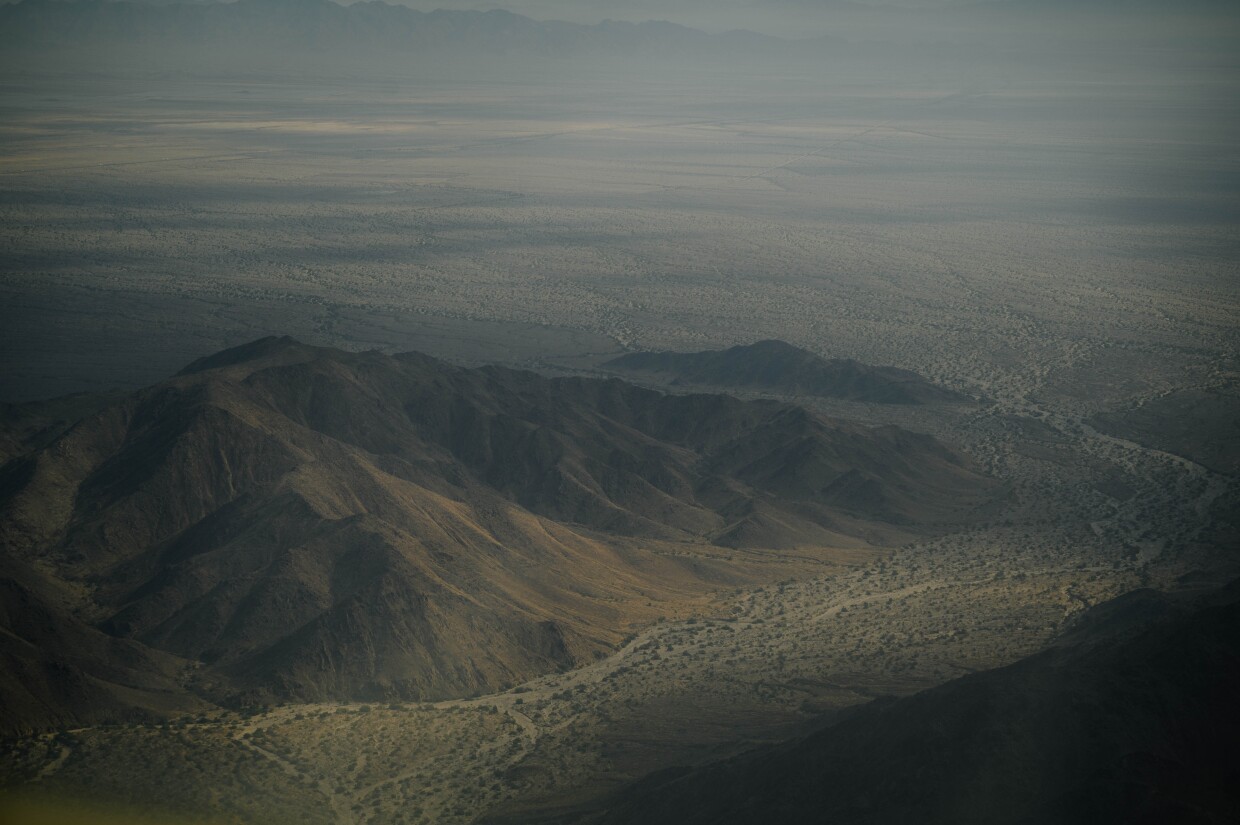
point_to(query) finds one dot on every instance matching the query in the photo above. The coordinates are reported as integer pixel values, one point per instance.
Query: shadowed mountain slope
(775, 366)
(309, 524)
(57, 670)
(1131, 720)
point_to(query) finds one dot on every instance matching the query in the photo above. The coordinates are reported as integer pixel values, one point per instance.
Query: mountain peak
(769, 345)
(290, 4)
(259, 348)
(777, 366)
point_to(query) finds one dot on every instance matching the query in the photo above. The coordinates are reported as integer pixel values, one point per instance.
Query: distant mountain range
(282, 521)
(779, 367)
(327, 27)
(1131, 720)
(247, 35)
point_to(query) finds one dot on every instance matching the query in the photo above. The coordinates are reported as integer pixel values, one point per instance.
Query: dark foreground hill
(1132, 720)
(281, 521)
(776, 366)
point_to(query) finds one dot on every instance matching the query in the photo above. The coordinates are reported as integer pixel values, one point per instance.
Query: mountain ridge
(371, 24)
(310, 524)
(776, 366)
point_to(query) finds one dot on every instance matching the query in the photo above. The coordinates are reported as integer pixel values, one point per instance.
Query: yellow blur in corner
(34, 811)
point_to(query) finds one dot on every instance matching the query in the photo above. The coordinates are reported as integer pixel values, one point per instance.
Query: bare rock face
(281, 521)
